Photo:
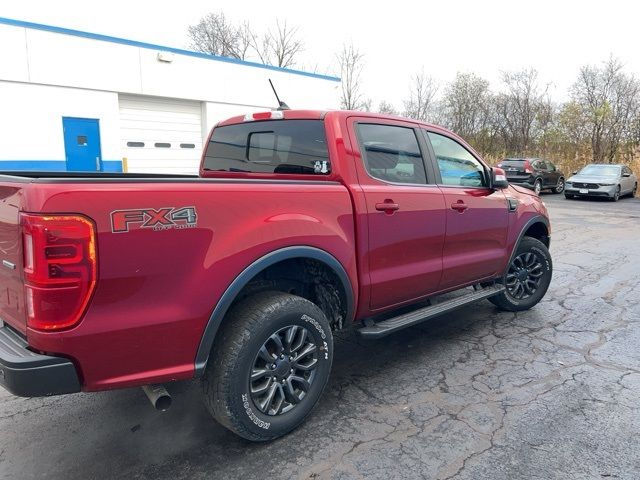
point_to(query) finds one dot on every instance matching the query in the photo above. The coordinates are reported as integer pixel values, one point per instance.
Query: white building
(78, 101)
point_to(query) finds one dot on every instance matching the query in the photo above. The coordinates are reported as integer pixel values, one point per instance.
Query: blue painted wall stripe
(52, 165)
(134, 43)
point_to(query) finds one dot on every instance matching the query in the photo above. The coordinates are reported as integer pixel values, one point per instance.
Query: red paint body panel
(157, 289)
(476, 239)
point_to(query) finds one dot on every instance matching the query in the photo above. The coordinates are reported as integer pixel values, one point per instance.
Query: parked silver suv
(602, 180)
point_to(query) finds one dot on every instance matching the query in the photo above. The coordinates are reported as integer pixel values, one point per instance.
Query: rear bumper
(521, 182)
(28, 374)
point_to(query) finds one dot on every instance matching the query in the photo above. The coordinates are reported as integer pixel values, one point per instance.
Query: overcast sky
(398, 37)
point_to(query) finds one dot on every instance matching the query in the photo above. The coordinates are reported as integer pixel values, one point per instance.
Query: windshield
(601, 170)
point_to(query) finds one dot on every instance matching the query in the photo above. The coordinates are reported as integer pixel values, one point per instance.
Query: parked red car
(299, 224)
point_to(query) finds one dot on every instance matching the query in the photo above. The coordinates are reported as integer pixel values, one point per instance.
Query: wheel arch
(259, 266)
(536, 227)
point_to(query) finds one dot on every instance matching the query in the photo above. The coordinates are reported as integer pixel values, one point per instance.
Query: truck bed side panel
(157, 288)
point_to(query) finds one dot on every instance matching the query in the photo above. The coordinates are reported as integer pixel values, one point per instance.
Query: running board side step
(394, 324)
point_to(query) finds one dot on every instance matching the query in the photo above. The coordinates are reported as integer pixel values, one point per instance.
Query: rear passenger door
(477, 216)
(405, 211)
(554, 174)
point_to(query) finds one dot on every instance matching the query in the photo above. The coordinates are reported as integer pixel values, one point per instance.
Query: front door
(477, 216)
(82, 144)
(405, 213)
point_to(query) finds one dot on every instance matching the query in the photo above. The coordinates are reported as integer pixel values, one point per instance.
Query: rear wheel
(269, 365)
(527, 278)
(537, 187)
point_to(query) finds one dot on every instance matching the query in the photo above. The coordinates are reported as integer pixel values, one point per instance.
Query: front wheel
(616, 195)
(527, 278)
(269, 365)
(560, 187)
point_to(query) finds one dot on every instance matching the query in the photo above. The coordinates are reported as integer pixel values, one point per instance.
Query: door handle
(460, 206)
(388, 206)
(98, 164)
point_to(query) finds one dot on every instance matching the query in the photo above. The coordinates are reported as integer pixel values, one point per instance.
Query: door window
(391, 153)
(456, 164)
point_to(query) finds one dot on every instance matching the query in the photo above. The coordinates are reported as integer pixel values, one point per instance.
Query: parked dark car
(602, 180)
(534, 173)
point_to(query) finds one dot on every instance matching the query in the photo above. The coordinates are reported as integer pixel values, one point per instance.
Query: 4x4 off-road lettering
(165, 218)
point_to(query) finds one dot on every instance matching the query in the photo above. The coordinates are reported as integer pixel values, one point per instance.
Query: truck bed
(157, 284)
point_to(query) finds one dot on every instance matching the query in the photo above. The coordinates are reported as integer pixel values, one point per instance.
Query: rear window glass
(273, 146)
(512, 163)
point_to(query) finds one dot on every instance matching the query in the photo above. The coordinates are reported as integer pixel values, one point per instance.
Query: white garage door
(160, 135)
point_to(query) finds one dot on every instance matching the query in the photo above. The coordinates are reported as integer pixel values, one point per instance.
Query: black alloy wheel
(269, 365)
(283, 370)
(524, 275)
(527, 277)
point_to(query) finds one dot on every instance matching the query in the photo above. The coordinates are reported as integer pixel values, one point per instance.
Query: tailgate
(12, 305)
(515, 170)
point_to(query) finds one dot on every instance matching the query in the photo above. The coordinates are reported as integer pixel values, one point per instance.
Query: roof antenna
(282, 105)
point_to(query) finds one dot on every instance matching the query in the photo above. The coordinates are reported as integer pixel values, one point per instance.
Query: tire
(634, 191)
(537, 187)
(616, 196)
(560, 186)
(510, 299)
(229, 391)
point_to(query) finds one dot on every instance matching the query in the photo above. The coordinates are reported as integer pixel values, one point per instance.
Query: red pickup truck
(299, 224)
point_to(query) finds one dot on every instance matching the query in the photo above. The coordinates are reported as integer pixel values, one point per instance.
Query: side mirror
(626, 174)
(574, 173)
(498, 178)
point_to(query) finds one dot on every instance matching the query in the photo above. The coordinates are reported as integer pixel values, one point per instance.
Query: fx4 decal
(162, 219)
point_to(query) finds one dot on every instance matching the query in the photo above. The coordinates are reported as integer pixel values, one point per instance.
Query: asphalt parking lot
(480, 394)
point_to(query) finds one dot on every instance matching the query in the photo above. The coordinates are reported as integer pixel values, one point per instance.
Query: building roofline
(151, 46)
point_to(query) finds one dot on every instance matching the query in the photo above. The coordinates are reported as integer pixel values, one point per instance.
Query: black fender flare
(532, 221)
(230, 294)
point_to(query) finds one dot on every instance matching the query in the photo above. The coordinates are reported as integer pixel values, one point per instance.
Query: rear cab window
(269, 147)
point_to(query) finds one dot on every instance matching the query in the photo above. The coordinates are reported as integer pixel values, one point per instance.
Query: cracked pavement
(477, 394)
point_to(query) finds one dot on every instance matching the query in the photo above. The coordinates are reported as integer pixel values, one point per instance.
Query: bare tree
(422, 93)
(285, 45)
(214, 34)
(279, 48)
(609, 101)
(387, 108)
(465, 104)
(517, 109)
(351, 62)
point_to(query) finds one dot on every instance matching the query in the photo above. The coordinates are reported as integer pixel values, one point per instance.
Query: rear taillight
(527, 167)
(60, 269)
